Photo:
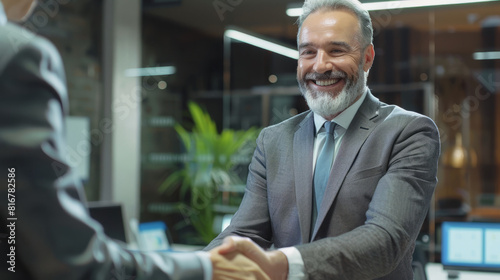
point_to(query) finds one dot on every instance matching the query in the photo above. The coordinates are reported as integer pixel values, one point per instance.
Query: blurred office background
(133, 66)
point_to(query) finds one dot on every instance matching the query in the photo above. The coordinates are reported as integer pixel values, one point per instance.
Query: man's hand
(274, 263)
(233, 265)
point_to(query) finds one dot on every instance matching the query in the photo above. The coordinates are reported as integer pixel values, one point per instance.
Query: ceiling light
(162, 85)
(261, 43)
(390, 5)
(486, 55)
(294, 12)
(150, 71)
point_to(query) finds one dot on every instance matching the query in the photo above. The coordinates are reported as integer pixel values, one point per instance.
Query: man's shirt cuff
(296, 270)
(204, 258)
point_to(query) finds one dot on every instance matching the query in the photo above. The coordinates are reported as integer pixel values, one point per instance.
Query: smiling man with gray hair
(341, 190)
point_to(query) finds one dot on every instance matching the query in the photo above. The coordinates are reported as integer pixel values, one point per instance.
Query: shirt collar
(3, 16)
(345, 118)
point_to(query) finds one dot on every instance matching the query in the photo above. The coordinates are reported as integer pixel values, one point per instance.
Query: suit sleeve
(394, 217)
(54, 236)
(252, 219)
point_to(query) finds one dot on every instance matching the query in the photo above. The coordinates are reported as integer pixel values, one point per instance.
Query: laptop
(471, 246)
(110, 216)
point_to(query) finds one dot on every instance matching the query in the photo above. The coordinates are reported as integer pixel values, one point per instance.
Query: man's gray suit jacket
(54, 236)
(377, 197)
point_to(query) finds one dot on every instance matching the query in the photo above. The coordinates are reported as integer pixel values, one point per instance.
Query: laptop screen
(471, 246)
(110, 216)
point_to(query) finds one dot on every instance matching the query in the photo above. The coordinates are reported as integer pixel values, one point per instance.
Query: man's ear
(368, 57)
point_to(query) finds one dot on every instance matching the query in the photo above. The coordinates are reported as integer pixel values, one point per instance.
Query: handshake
(240, 258)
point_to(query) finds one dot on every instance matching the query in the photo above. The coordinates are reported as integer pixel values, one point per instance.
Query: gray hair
(354, 6)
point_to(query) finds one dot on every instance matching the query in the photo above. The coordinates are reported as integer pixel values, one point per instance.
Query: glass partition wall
(465, 43)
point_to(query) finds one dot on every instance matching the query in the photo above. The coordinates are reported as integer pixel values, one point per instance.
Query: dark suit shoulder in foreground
(54, 236)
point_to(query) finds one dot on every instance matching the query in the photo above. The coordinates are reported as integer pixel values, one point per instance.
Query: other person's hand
(235, 266)
(273, 263)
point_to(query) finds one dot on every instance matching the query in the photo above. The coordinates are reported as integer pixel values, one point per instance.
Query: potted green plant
(207, 170)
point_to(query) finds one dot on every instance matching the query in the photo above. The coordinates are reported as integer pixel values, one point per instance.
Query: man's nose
(323, 62)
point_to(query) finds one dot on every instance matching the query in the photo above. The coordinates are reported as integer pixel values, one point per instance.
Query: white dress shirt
(296, 269)
(206, 263)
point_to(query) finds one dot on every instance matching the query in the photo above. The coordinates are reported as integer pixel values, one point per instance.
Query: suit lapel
(359, 129)
(303, 145)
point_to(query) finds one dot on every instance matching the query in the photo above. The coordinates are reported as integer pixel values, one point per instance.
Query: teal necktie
(323, 167)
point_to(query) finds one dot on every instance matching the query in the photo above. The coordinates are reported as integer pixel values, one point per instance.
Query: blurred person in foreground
(361, 218)
(46, 231)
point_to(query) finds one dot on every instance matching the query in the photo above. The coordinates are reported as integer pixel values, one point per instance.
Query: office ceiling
(268, 17)
(213, 16)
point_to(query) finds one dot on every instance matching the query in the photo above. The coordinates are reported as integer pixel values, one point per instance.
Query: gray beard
(323, 104)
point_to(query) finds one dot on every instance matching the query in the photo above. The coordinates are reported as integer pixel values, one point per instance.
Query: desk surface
(435, 272)
(186, 248)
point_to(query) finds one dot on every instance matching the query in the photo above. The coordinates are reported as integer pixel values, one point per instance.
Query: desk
(435, 272)
(185, 248)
